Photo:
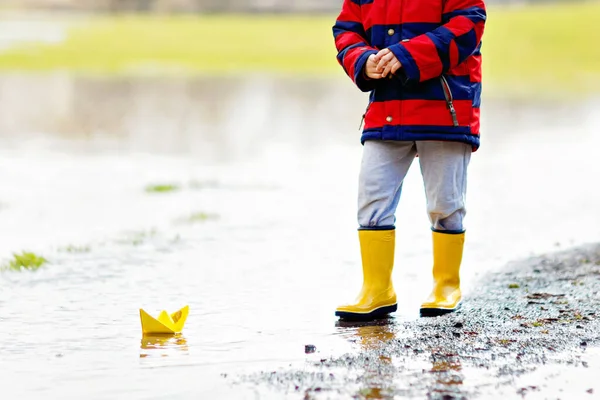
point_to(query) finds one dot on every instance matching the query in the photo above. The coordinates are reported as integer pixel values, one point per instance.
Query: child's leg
(383, 168)
(444, 169)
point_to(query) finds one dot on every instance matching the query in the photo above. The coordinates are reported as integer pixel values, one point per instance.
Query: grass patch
(134, 43)
(24, 261)
(161, 188)
(548, 47)
(201, 217)
(198, 217)
(531, 49)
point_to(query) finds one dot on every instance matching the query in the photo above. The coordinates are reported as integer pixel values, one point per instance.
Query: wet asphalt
(539, 313)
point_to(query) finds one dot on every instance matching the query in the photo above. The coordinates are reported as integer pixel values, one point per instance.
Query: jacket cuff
(409, 73)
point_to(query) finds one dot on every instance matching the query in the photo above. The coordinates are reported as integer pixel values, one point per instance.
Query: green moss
(514, 286)
(202, 217)
(162, 188)
(24, 261)
(532, 49)
(197, 217)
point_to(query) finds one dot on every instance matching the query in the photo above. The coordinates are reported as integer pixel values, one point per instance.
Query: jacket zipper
(364, 115)
(449, 99)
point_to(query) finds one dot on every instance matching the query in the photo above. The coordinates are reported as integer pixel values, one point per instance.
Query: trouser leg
(383, 169)
(444, 170)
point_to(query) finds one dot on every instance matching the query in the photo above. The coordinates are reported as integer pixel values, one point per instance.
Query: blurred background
(169, 152)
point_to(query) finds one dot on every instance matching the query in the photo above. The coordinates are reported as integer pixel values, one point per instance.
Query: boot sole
(436, 312)
(375, 314)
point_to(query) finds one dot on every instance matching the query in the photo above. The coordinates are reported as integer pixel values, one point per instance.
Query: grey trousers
(444, 171)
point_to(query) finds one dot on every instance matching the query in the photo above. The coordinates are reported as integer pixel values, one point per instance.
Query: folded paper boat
(165, 323)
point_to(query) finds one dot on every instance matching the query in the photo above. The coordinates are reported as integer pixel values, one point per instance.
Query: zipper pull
(448, 96)
(453, 113)
(361, 121)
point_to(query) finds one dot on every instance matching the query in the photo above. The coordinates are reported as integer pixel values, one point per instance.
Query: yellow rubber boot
(377, 297)
(447, 257)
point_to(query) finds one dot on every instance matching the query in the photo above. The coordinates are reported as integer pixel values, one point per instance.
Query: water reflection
(446, 375)
(216, 119)
(372, 339)
(163, 345)
(370, 335)
(226, 119)
(379, 348)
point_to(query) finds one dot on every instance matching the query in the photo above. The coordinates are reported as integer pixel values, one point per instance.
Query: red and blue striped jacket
(436, 94)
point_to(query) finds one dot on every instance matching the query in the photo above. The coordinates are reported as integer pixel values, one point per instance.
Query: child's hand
(371, 67)
(387, 63)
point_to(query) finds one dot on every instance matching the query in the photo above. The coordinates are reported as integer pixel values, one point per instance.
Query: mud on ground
(540, 314)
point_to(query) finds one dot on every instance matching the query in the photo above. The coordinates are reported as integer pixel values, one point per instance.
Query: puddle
(262, 280)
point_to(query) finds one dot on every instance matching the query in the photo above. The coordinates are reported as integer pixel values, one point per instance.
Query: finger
(381, 53)
(393, 66)
(396, 67)
(388, 57)
(372, 72)
(384, 61)
(373, 75)
(372, 61)
(381, 64)
(387, 70)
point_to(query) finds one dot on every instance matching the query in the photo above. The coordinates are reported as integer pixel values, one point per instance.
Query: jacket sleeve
(434, 53)
(351, 44)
